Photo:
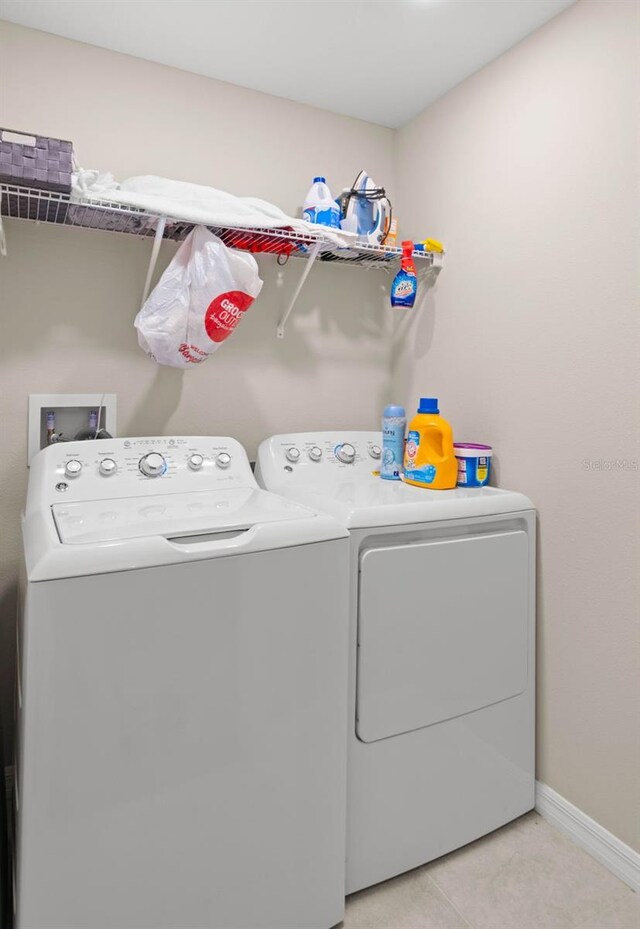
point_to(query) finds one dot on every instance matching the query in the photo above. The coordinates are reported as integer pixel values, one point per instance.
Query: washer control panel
(325, 456)
(104, 468)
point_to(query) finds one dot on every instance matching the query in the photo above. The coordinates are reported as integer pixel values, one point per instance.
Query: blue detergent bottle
(405, 284)
(394, 421)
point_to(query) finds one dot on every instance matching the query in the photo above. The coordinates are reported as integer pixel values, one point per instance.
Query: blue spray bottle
(405, 284)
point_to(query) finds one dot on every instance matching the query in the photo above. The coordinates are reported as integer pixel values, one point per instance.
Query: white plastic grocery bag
(198, 301)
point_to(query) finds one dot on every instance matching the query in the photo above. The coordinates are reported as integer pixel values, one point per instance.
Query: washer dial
(346, 453)
(292, 454)
(223, 460)
(315, 453)
(73, 467)
(195, 462)
(152, 465)
(375, 451)
(107, 467)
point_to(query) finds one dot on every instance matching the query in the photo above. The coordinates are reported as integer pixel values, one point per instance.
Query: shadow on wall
(87, 296)
(413, 333)
(333, 309)
(158, 403)
(88, 283)
(72, 330)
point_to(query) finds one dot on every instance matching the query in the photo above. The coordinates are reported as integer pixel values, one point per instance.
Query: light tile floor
(524, 876)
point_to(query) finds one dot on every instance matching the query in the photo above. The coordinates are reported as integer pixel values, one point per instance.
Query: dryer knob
(223, 460)
(375, 451)
(152, 465)
(315, 453)
(195, 462)
(73, 467)
(293, 454)
(107, 467)
(346, 453)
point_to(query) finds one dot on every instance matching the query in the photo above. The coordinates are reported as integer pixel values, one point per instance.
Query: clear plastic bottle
(319, 205)
(394, 422)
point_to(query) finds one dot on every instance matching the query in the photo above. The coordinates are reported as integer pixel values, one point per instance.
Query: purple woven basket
(35, 162)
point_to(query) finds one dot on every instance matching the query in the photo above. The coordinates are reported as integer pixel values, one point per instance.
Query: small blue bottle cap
(393, 410)
(428, 405)
(319, 180)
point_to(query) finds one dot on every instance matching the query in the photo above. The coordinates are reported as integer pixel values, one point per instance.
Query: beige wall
(528, 171)
(69, 297)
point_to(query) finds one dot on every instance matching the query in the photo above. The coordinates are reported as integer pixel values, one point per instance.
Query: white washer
(442, 636)
(182, 694)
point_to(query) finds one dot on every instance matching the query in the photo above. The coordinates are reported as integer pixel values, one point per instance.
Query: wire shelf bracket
(153, 260)
(313, 254)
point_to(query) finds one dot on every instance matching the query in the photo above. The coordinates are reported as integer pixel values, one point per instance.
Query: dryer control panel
(319, 456)
(113, 468)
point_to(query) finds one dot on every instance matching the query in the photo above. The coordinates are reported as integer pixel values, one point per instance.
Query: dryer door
(442, 630)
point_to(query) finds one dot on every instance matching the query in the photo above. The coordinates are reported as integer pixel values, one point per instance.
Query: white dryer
(442, 636)
(182, 694)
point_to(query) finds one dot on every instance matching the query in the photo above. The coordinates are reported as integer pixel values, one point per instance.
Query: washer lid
(369, 501)
(171, 515)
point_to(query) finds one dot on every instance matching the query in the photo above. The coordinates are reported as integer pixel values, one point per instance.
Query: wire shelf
(50, 207)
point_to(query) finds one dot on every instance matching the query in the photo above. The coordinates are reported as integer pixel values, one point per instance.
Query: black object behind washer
(6, 910)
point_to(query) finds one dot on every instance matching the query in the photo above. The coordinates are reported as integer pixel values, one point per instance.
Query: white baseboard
(602, 845)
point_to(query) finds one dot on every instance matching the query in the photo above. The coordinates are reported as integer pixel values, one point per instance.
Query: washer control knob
(152, 465)
(292, 454)
(315, 453)
(107, 467)
(346, 453)
(223, 460)
(375, 451)
(73, 467)
(195, 462)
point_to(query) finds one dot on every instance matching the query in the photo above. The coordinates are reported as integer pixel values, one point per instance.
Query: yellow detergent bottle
(429, 458)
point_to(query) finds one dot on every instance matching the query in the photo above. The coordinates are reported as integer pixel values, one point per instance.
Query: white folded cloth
(194, 203)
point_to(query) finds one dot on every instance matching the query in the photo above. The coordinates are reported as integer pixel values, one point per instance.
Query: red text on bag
(224, 313)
